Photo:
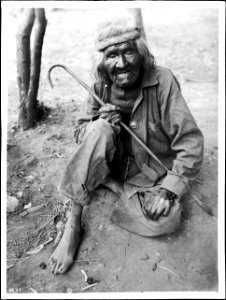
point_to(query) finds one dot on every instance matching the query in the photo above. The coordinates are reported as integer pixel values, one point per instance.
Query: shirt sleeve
(185, 137)
(90, 107)
(88, 112)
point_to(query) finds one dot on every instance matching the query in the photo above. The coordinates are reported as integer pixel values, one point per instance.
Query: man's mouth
(125, 77)
(122, 73)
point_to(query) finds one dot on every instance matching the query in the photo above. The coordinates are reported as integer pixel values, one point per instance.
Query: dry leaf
(27, 206)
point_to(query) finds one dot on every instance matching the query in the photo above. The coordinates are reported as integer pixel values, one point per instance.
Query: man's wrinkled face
(122, 64)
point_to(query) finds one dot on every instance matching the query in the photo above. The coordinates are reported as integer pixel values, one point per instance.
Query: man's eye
(129, 52)
(112, 55)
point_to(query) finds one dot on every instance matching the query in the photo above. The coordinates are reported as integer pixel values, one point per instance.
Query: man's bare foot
(63, 256)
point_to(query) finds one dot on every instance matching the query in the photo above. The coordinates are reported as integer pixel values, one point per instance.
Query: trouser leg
(89, 165)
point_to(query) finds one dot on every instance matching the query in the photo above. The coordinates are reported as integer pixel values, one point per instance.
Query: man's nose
(121, 62)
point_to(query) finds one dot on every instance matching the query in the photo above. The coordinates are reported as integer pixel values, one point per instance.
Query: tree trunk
(28, 65)
(23, 62)
(137, 14)
(35, 67)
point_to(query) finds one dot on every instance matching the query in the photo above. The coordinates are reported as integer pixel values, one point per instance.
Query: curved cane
(102, 104)
(207, 209)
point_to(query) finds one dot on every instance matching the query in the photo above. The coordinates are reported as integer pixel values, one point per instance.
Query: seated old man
(148, 99)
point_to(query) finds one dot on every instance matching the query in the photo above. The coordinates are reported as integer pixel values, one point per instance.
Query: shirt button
(133, 125)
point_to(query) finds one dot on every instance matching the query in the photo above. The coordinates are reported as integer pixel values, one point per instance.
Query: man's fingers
(160, 209)
(163, 209)
(155, 205)
(106, 115)
(107, 108)
(114, 118)
(154, 208)
(167, 208)
(111, 117)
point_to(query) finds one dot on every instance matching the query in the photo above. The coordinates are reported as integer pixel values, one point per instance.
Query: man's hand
(158, 205)
(109, 113)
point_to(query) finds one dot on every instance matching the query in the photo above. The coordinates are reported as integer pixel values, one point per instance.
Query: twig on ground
(51, 156)
(48, 156)
(47, 216)
(88, 287)
(9, 146)
(199, 181)
(87, 260)
(20, 258)
(40, 247)
(168, 270)
(115, 284)
(33, 290)
(36, 208)
(14, 228)
(10, 266)
(198, 80)
(84, 274)
(43, 225)
(39, 237)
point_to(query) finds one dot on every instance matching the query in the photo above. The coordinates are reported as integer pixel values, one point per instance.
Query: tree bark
(137, 14)
(23, 61)
(35, 67)
(29, 65)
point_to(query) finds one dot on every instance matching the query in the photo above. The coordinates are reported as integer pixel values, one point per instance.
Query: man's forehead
(121, 46)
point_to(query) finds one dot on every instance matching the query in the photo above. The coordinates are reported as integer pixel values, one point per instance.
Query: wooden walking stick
(204, 206)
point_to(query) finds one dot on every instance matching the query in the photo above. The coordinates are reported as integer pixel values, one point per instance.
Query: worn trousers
(90, 166)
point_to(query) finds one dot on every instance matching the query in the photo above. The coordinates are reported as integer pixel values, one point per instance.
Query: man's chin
(124, 83)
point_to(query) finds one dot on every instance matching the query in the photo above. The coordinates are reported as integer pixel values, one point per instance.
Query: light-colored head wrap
(116, 31)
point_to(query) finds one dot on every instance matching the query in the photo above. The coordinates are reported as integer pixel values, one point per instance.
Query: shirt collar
(149, 79)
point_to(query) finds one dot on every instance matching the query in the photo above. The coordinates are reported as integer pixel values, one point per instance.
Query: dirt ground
(187, 43)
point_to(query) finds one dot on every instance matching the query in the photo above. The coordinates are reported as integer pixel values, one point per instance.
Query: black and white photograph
(113, 150)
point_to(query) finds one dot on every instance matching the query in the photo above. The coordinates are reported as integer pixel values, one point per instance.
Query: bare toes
(52, 264)
(52, 259)
(56, 269)
(61, 270)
